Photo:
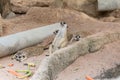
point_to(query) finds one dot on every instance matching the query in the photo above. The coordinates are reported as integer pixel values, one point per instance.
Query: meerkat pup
(60, 39)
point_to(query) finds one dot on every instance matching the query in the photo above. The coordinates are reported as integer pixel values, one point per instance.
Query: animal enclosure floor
(4, 75)
(93, 64)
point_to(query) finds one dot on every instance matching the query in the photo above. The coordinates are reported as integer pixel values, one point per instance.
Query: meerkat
(20, 56)
(60, 39)
(75, 37)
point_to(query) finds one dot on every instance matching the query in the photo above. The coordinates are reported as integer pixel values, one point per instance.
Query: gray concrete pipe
(12, 43)
(107, 5)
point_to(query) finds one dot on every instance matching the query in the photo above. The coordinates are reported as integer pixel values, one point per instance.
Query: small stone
(10, 15)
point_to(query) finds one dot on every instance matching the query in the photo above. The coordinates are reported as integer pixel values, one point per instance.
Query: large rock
(87, 6)
(5, 9)
(22, 6)
(1, 26)
(36, 16)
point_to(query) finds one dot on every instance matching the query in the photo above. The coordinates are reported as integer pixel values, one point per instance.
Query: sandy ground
(5, 75)
(90, 64)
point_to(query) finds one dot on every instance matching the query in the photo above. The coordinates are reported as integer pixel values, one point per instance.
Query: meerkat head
(63, 24)
(77, 37)
(19, 56)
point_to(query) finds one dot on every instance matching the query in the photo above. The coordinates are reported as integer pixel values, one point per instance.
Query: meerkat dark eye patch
(19, 56)
(55, 32)
(23, 56)
(77, 38)
(62, 23)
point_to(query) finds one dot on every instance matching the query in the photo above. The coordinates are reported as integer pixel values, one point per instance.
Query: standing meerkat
(60, 39)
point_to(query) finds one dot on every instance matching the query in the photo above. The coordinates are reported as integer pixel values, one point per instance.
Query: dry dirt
(90, 64)
(4, 75)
